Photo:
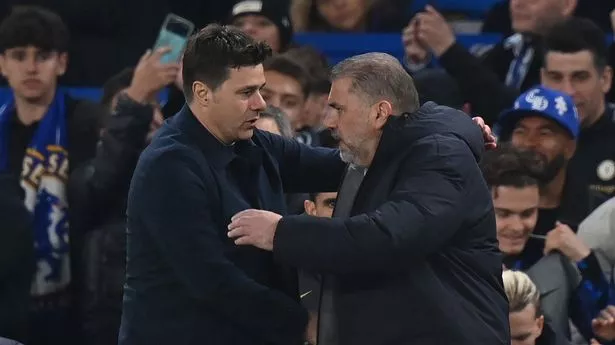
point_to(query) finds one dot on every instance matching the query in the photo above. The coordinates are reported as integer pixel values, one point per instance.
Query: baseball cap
(275, 10)
(545, 102)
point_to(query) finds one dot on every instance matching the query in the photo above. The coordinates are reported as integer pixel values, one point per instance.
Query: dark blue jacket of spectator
(418, 261)
(187, 282)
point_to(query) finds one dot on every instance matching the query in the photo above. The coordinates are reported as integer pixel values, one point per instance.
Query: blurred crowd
(546, 87)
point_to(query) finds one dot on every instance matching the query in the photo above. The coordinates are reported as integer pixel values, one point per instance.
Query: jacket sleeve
(173, 203)
(591, 296)
(103, 180)
(481, 86)
(303, 168)
(422, 214)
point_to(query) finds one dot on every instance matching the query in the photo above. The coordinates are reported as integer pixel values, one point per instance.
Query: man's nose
(516, 223)
(330, 120)
(567, 88)
(257, 102)
(31, 64)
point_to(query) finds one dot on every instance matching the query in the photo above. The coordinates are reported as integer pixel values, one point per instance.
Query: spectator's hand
(604, 324)
(415, 52)
(562, 238)
(254, 227)
(594, 342)
(434, 32)
(151, 76)
(490, 142)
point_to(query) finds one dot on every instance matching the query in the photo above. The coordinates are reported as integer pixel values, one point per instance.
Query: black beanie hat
(276, 11)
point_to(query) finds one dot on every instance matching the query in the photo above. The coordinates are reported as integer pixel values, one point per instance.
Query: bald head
(379, 76)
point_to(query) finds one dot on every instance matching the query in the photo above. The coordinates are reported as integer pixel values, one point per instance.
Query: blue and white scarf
(43, 178)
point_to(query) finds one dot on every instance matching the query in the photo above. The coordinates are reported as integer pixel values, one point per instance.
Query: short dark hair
(116, 84)
(33, 26)
(511, 167)
(214, 50)
(577, 34)
(313, 196)
(285, 65)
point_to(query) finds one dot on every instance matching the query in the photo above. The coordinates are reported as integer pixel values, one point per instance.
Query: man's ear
(607, 78)
(310, 207)
(381, 110)
(201, 93)
(62, 64)
(540, 323)
(2, 65)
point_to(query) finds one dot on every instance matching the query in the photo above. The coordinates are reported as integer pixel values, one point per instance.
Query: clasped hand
(254, 228)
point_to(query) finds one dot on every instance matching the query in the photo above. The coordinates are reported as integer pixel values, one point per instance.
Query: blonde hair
(521, 291)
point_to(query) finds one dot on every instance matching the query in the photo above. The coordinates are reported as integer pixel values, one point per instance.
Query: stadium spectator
(546, 122)
(264, 20)
(288, 87)
(348, 15)
(527, 322)
(576, 62)
(511, 66)
(42, 129)
(514, 179)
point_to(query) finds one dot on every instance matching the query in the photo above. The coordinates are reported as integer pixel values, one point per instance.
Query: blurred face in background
(345, 15)
(322, 206)
(285, 92)
(31, 72)
(537, 16)
(525, 326)
(548, 140)
(577, 75)
(516, 212)
(269, 125)
(315, 109)
(260, 28)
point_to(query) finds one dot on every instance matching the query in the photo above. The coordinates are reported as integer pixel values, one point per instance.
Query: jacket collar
(604, 125)
(219, 154)
(402, 130)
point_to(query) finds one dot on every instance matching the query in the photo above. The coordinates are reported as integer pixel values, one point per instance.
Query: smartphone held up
(173, 35)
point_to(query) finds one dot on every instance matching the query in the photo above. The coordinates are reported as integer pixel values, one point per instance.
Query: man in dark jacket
(186, 282)
(410, 256)
(44, 135)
